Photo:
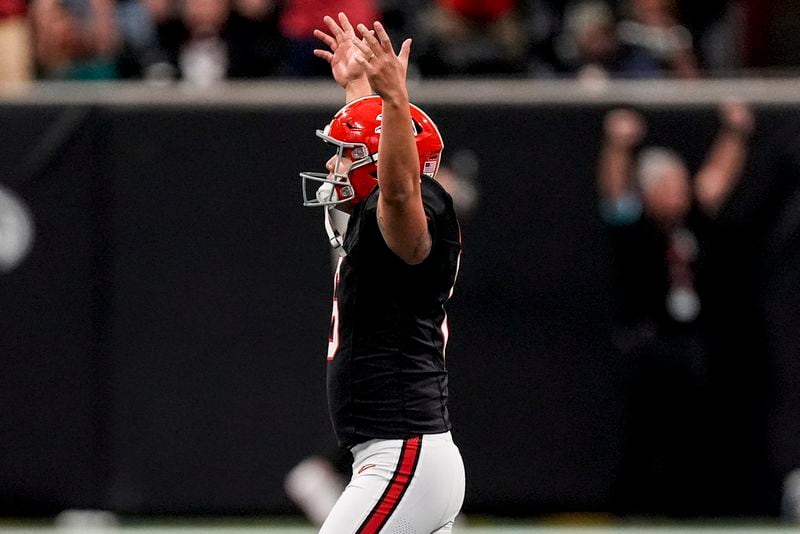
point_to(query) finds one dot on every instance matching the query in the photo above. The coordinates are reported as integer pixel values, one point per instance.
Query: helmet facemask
(337, 188)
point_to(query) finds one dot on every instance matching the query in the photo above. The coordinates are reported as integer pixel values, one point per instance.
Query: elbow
(400, 192)
(396, 197)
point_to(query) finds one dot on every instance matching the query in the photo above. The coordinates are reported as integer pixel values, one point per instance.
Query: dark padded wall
(529, 365)
(165, 352)
(48, 426)
(220, 309)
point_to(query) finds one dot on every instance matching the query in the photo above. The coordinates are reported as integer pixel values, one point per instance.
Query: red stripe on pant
(401, 479)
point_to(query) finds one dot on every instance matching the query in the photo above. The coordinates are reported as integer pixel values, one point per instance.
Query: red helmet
(356, 130)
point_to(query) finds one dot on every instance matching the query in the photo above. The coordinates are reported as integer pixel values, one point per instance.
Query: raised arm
(401, 215)
(725, 161)
(347, 72)
(624, 130)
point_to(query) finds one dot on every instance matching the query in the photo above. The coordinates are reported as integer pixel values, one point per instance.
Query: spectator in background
(661, 45)
(401, 15)
(589, 47)
(75, 39)
(16, 59)
(660, 224)
(756, 310)
(142, 55)
(257, 47)
(472, 37)
(716, 27)
(299, 19)
(204, 42)
(203, 55)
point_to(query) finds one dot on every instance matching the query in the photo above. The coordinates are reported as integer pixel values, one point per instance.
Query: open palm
(344, 67)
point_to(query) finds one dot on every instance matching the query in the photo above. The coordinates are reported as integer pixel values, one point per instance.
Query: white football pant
(411, 486)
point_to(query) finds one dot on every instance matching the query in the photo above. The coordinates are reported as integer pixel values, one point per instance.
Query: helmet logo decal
(416, 128)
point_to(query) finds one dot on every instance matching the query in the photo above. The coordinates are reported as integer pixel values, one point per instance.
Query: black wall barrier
(49, 452)
(162, 348)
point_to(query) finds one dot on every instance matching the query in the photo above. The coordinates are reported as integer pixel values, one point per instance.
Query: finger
(383, 37)
(335, 29)
(364, 48)
(361, 60)
(405, 52)
(346, 26)
(370, 39)
(327, 39)
(324, 54)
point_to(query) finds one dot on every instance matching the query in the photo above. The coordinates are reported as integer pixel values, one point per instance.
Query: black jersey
(386, 357)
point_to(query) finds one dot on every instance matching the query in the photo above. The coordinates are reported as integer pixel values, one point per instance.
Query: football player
(399, 257)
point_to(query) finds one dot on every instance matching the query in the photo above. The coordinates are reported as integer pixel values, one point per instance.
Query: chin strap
(334, 236)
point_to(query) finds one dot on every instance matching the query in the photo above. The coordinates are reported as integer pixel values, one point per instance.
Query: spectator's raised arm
(623, 130)
(725, 161)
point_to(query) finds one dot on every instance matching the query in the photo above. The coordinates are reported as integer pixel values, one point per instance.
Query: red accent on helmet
(360, 122)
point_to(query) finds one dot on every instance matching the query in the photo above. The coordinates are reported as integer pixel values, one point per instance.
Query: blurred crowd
(204, 41)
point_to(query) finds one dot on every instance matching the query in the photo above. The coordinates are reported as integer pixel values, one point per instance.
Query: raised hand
(737, 116)
(385, 70)
(625, 127)
(340, 41)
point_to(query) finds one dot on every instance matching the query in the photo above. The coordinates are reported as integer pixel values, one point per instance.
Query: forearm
(615, 170)
(401, 215)
(398, 162)
(722, 169)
